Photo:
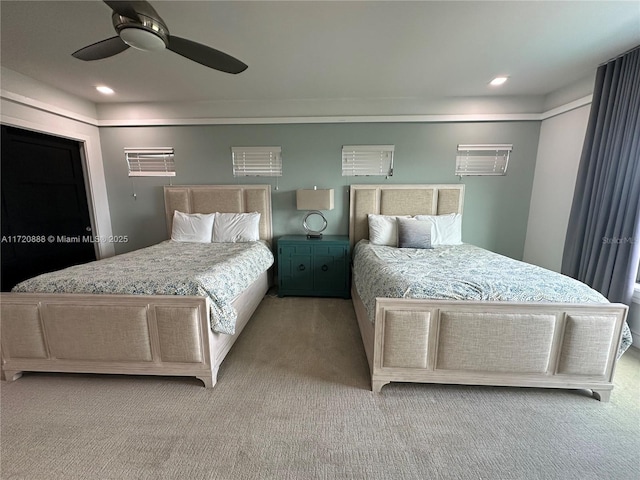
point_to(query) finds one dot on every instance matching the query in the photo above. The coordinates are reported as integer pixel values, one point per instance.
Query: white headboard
(223, 199)
(430, 199)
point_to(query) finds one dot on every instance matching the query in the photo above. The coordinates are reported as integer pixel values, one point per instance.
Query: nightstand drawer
(297, 249)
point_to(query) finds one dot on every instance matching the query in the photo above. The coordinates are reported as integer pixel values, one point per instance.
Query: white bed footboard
(117, 334)
(142, 335)
(547, 345)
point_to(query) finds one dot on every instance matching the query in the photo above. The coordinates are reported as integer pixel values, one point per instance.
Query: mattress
(219, 271)
(461, 272)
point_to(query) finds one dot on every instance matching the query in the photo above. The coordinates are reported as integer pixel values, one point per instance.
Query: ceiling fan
(138, 25)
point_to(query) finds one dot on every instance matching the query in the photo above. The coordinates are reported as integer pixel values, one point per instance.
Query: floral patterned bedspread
(461, 272)
(219, 271)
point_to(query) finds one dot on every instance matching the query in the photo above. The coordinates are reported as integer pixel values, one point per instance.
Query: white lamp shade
(314, 199)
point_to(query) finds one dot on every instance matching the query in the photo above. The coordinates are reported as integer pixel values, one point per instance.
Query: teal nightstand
(313, 267)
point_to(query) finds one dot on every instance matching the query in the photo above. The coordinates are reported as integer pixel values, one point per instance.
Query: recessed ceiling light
(105, 90)
(498, 81)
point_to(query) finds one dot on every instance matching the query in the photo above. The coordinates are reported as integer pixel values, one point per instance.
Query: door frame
(91, 159)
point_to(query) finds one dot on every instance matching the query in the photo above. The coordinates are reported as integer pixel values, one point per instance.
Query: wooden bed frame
(133, 334)
(550, 345)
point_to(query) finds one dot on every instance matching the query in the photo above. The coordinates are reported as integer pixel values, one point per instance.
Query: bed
(548, 344)
(138, 334)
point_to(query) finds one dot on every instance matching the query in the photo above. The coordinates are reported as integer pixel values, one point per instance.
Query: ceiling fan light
(142, 39)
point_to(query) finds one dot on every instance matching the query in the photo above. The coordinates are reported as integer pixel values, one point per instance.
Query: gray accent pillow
(413, 233)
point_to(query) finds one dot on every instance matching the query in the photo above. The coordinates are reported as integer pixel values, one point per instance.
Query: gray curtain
(602, 247)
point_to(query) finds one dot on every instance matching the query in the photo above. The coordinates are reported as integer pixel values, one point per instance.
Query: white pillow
(446, 229)
(383, 229)
(192, 227)
(236, 227)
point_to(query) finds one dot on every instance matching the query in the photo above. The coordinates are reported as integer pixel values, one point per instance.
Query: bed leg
(11, 375)
(376, 385)
(209, 380)
(602, 395)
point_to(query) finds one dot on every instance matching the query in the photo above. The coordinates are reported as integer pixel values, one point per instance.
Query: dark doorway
(46, 224)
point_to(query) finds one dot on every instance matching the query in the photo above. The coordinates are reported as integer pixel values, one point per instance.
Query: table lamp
(314, 201)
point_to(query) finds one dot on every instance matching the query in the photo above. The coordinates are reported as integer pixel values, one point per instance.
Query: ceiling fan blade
(207, 56)
(104, 49)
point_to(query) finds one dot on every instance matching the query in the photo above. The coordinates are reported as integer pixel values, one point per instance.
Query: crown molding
(155, 122)
(492, 117)
(581, 102)
(47, 107)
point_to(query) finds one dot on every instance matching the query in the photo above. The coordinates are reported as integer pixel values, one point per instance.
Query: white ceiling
(319, 51)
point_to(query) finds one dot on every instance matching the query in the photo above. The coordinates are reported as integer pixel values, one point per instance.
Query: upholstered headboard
(223, 199)
(399, 200)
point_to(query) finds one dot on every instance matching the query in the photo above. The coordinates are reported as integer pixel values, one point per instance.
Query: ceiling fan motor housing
(143, 33)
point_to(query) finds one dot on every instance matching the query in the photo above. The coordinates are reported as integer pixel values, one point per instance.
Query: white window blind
(488, 159)
(257, 161)
(151, 162)
(359, 160)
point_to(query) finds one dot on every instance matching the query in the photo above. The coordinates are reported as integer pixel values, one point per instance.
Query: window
(359, 160)
(489, 159)
(257, 161)
(150, 162)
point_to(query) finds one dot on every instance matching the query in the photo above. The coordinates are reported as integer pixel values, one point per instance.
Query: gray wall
(496, 208)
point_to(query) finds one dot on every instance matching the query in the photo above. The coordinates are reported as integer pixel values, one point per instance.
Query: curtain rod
(621, 55)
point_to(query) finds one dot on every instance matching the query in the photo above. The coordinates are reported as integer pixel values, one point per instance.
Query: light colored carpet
(293, 402)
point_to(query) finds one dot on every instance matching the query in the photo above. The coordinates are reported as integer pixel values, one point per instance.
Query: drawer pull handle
(324, 268)
(301, 267)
